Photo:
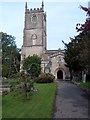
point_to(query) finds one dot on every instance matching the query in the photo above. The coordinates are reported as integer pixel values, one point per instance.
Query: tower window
(34, 36)
(34, 18)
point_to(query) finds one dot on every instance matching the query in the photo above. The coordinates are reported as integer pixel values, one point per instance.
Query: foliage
(25, 83)
(22, 82)
(39, 106)
(10, 81)
(85, 85)
(76, 53)
(86, 28)
(32, 64)
(45, 78)
(74, 56)
(86, 25)
(10, 55)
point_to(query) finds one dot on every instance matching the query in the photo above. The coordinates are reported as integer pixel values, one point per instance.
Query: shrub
(45, 78)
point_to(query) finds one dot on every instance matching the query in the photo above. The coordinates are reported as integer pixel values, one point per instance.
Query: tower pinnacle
(26, 7)
(42, 4)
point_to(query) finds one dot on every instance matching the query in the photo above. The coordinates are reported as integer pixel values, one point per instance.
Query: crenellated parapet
(34, 9)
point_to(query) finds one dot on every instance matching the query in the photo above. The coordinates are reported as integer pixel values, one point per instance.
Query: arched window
(34, 36)
(34, 18)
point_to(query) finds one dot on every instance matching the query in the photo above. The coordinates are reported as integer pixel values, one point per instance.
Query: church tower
(35, 42)
(34, 33)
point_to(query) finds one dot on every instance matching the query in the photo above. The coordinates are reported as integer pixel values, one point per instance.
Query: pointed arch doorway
(60, 74)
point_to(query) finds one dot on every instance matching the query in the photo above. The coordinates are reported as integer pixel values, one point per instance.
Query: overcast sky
(62, 18)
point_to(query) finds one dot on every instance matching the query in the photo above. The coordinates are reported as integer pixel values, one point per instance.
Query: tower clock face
(34, 18)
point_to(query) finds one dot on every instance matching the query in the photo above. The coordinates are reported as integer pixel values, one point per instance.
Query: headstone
(84, 78)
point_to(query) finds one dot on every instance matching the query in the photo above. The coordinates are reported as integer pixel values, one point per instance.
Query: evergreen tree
(86, 28)
(10, 55)
(76, 54)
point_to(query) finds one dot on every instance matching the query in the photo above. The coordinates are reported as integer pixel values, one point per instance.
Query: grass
(85, 85)
(40, 104)
(0, 106)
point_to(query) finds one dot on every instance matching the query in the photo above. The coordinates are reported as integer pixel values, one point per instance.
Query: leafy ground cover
(40, 104)
(85, 85)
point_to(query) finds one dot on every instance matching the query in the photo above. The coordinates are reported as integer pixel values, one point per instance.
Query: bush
(45, 78)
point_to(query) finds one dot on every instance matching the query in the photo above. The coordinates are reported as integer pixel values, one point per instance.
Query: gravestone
(4, 88)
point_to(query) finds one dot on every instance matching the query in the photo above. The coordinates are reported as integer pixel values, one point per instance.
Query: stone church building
(35, 42)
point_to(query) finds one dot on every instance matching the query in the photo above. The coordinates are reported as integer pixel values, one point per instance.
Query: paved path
(71, 101)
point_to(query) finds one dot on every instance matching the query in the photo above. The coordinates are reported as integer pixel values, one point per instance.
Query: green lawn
(0, 106)
(40, 104)
(85, 85)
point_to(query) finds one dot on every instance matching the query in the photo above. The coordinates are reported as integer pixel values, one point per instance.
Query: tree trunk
(27, 95)
(26, 92)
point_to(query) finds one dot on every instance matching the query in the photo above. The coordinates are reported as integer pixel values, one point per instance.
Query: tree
(76, 54)
(71, 57)
(86, 25)
(27, 83)
(86, 28)
(77, 51)
(31, 69)
(32, 65)
(22, 85)
(10, 55)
